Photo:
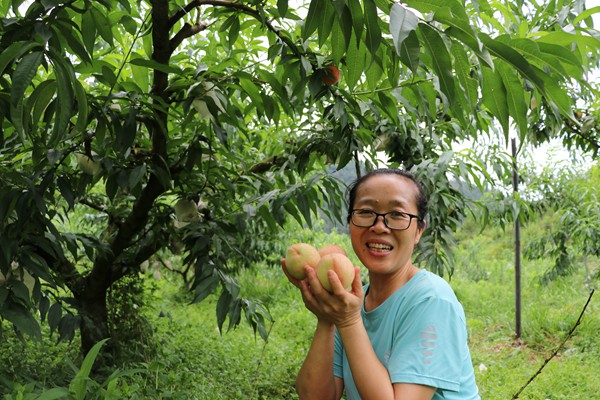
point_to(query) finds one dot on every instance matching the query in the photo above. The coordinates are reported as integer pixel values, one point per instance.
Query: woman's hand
(340, 307)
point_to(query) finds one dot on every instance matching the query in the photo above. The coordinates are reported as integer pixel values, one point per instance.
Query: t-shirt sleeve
(429, 345)
(338, 359)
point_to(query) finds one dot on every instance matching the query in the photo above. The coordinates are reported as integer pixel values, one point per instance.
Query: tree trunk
(94, 315)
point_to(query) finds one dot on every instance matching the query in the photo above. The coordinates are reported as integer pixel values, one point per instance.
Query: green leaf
(440, 59)
(82, 107)
(65, 30)
(102, 24)
(345, 19)
(88, 31)
(432, 6)
(410, 51)
(355, 11)
(494, 97)
(373, 74)
(252, 91)
(151, 64)
(515, 97)
(282, 7)
(24, 73)
(136, 175)
(461, 30)
(223, 304)
(66, 191)
(64, 108)
(20, 317)
(402, 23)
(463, 70)
(79, 384)
(373, 39)
(355, 62)
(313, 17)
(389, 106)
(557, 58)
(586, 14)
(13, 52)
(512, 56)
(54, 393)
(327, 22)
(40, 99)
(338, 42)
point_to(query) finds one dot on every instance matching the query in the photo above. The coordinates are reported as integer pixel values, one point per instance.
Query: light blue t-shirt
(419, 333)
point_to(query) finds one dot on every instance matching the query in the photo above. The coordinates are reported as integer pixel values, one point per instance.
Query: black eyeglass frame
(385, 221)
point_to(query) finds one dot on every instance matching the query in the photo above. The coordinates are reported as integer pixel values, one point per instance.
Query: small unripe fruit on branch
(87, 165)
(330, 75)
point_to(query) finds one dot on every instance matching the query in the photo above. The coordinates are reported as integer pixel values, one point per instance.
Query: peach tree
(134, 129)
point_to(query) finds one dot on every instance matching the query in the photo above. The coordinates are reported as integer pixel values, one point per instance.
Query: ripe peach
(340, 264)
(331, 75)
(331, 248)
(297, 256)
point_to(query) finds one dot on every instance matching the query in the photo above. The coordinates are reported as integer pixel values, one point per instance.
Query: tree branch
(186, 32)
(237, 6)
(569, 334)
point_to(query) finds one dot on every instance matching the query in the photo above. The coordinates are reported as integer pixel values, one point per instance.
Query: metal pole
(515, 179)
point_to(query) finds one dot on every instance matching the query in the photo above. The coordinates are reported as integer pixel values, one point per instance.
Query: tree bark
(93, 311)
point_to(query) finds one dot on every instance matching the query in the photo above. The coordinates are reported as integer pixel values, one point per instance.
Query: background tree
(130, 129)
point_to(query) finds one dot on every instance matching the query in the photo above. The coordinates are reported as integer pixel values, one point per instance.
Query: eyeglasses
(396, 220)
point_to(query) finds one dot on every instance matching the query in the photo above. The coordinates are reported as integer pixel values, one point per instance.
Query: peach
(331, 248)
(340, 264)
(297, 256)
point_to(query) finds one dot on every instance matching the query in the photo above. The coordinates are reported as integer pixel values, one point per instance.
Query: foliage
(573, 197)
(129, 113)
(81, 386)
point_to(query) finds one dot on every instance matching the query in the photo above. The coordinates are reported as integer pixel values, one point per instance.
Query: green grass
(195, 361)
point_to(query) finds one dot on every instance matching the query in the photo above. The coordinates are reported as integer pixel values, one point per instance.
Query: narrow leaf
(410, 51)
(440, 59)
(79, 384)
(402, 23)
(494, 97)
(586, 14)
(24, 73)
(13, 52)
(515, 97)
(373, 39)
(40, 99)
(313, 17)
(355, 61)
(167, 69)
(103, 25)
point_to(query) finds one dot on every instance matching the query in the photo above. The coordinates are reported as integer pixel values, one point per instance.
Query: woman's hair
(421, 200)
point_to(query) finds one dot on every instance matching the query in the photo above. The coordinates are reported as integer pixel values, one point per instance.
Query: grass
(195, 361)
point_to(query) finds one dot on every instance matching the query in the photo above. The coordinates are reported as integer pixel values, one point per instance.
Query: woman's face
(381, 249)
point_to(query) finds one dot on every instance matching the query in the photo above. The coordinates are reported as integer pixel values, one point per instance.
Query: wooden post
(515, 179)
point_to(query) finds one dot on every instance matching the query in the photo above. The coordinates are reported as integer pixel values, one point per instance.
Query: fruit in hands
(340, 264)
(331, 75)
(330, 249)
(297, 256)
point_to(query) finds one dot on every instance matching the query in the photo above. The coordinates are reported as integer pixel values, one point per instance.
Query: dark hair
(421, 200)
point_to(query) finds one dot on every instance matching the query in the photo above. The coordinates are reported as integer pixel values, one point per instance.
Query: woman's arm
(315, 379)
(370, 376)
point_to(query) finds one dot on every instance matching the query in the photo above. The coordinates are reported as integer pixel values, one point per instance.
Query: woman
(402, 336)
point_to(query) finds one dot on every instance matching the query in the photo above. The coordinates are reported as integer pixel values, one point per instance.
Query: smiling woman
(403, 335)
